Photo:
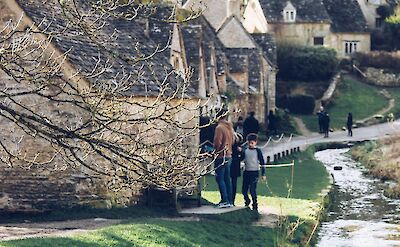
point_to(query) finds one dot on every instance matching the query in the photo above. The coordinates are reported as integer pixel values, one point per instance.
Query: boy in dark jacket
(253, 158)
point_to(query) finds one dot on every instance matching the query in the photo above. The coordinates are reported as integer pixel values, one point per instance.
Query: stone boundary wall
(381, 77)
(327, 96)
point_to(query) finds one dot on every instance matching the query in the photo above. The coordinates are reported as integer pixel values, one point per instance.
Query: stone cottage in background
(336, 24)
(369, 10)
(230, 63)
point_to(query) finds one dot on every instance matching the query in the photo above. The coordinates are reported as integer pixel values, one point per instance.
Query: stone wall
(381, 77)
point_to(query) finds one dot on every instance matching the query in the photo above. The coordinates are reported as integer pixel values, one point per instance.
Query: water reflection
(361, 215)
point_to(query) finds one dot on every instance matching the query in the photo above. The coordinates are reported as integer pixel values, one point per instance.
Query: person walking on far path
(349, 124)
(253, 158)
(320, 115)
(223, 142)
(250, 125)
(325, 123)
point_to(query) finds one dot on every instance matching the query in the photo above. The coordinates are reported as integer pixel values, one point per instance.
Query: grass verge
(145, 227)
(310, 177)
(382, 160)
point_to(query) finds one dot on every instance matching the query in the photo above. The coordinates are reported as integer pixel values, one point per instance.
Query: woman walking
(349, 124)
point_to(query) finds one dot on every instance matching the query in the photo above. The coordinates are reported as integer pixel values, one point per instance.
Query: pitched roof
(117, 54)
(268, 45)
(346, 16)
(306, 10)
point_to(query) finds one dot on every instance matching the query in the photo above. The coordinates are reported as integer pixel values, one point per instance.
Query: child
(253, 158)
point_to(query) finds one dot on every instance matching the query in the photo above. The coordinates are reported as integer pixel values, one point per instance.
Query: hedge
(306, 63)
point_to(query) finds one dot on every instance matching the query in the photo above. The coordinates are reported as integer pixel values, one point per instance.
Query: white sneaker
(224, 205)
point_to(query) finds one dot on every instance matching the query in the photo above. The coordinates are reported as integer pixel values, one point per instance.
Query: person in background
(349, 124)
(238, 127)
(250, 125)
(325, 123)
(235, 166)
(253, 158)
(223, 141)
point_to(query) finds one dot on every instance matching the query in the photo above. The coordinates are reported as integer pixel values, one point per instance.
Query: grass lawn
(310, 177)
(361, 99)
(218, 231)
(145, 227)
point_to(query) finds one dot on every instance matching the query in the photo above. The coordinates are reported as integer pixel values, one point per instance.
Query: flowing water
(361, 215)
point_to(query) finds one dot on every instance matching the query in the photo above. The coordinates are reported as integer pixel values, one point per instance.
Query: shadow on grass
(86, 213)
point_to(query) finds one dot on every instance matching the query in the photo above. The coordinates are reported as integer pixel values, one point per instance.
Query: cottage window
(290, 15)
(318, 40)
(350, 47)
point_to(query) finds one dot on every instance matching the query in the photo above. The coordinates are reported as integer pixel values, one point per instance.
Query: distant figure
(224, 139)
(253, 158)
(235, 166)
(272, 123)
(250, 125)
(238, 127)
(320, 115)
(325, 123)
(349, 124)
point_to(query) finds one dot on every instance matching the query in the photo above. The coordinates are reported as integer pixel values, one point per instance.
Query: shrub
(378, 59)
(306, 63)
(299, 104)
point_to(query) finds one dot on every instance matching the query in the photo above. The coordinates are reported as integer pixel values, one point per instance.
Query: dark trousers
(250, 179)
(349, 130)
(234, 185)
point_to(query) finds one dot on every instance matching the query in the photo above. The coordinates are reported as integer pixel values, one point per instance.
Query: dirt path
(387, 109)
(52, 229)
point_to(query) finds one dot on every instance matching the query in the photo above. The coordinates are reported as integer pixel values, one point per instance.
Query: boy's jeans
(250, 179)
(223, 177)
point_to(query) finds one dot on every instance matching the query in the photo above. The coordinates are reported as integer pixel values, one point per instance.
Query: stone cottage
(44, 176)
(232, 62)
(336, 24)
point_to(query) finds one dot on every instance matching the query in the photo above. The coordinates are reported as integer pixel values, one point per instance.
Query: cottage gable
(253, 18)
(215, 11)
(233, 35)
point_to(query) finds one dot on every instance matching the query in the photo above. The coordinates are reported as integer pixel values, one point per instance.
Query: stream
(360, 214)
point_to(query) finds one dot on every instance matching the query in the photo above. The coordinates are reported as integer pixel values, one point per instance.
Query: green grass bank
(148, 227)
(354, 96)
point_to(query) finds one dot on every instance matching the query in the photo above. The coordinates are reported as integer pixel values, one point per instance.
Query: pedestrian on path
(250, 125)
(320, 115)
(253, 158)
(223, 142)
(349, 124)
(325, 123)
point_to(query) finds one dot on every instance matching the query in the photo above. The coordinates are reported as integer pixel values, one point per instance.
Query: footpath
(280, 146)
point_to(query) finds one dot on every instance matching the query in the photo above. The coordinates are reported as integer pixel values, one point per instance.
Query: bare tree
(125, 116)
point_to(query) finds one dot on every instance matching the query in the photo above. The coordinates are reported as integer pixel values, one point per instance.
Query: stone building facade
(24, 187)
(336, 24)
